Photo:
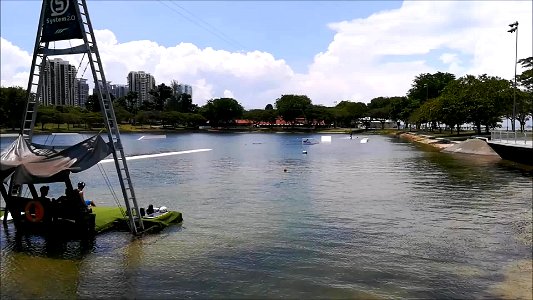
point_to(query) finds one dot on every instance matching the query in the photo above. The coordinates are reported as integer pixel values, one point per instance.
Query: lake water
(385, 219)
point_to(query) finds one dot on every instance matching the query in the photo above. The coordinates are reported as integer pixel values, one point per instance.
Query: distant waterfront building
(59, 83)
(142, 83)
(82, 92)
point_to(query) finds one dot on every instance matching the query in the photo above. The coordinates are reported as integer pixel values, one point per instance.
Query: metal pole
(514, 90)
(514, 27)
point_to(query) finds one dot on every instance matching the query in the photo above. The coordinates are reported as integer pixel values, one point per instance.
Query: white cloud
(375, 56)
(380, 55)
(449, 58)
(15, 64)
(228, 94)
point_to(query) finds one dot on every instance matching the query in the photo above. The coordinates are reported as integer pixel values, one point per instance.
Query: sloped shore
(469, 146)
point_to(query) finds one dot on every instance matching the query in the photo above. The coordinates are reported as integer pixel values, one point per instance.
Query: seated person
(79, 190)
(90, 203)
(150, 209)
(46, 202)
(44, 194)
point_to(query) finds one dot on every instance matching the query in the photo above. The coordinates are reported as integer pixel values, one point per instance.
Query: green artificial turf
(110, 217)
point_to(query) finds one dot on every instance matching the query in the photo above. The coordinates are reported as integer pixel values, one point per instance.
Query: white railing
(511, 137)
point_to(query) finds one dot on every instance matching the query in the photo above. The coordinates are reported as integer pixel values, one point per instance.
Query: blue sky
(255, 51)
(290, 30)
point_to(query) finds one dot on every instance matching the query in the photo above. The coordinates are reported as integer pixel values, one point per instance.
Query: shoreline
(437, 143)
(6, 132)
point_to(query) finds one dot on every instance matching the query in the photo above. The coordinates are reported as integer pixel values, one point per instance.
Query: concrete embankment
(470, 146)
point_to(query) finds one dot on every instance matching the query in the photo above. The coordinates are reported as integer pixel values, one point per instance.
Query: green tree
(485, 98)
(255, 115)
(185, 104)
(428, 86)
(46, 114)
(429, 112)
(399, 110)
(122, 114)
(524, 97)
(193, 119)
(161, 95)
(291, 107)
(70, 118)
(349, 114)
(525, 79)
(318, 113)
(12, 106)
(524, 104)
(453, 103)
(92, 103)
(91, 119)
(379, 109)
(260, 115)
(131, 102)
(222, 111)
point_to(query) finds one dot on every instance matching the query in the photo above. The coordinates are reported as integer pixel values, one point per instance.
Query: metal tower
(68, 20)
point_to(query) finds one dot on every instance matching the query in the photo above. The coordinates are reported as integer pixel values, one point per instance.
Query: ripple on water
(347, 220)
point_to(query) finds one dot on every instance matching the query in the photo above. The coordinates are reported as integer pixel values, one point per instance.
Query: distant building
(100, 85)
(183, 89)
(59, 83)
(119, 90)
(82, 92)
(142, 83)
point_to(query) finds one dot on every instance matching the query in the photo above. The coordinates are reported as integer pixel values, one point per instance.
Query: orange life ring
(34, 211)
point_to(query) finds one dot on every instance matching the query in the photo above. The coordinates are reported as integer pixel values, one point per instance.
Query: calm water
(385, 219)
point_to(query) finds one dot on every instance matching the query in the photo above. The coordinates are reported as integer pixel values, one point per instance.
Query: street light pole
(514, 27)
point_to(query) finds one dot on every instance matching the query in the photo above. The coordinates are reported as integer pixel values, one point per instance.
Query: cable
(208, 27)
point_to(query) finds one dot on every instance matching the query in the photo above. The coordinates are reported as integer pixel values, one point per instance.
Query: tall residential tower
(142, 83)
(59, 83)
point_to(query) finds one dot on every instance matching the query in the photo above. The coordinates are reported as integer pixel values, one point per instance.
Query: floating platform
(112, 218)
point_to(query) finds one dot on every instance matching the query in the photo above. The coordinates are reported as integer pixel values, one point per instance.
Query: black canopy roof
(31, 163)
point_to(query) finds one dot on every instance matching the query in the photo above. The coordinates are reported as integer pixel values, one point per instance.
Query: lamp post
(514, 27)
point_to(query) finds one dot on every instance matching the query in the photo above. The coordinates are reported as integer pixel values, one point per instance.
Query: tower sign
(60, 21)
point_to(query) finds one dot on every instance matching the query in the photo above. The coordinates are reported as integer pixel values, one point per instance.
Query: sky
(257, 51)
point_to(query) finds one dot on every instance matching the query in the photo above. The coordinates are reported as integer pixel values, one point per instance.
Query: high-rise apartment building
(142, 83)
(100, 85)
(82, 92)
(119, 90)
(183, 89)
(59, 83)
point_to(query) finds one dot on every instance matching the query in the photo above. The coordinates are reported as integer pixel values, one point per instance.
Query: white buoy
(304, 152)
(325, 139)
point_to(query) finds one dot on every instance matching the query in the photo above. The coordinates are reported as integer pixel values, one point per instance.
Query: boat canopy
(32, 163)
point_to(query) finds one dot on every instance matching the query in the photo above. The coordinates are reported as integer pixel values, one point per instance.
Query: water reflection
(36, 266)
(384, 219)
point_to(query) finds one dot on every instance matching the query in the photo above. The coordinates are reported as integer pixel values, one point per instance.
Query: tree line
(434, 100)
